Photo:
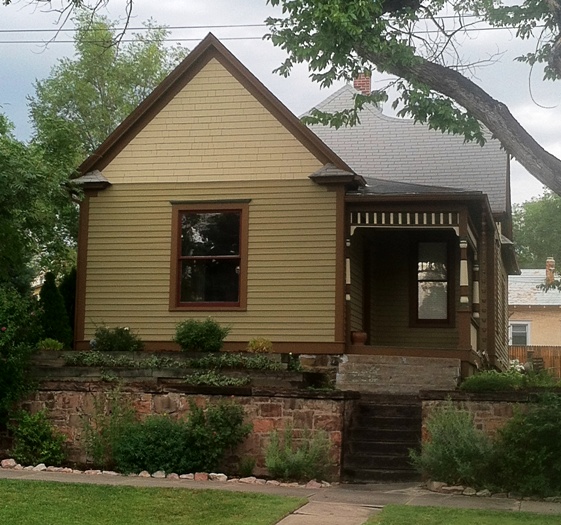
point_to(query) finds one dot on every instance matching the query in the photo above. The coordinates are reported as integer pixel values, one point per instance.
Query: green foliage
(528, 450)
(35, 440)
(99, 359)
(200, 336)
(34, 232)
(537, 230)
(19, 333)
(54, 318)
(50, 345)
(67, 289)
(118, 339)
(214, 378)
(493, 381)
(196, 444)
(246, 466)
(236, 361)
(259, 345)
(112, 415)
(84, 98)
(303, 459)
(456, 452)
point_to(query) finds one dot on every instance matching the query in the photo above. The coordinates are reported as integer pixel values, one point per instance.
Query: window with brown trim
(209, 256)
(432, 283)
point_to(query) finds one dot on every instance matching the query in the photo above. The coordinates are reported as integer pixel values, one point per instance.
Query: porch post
(463, 311)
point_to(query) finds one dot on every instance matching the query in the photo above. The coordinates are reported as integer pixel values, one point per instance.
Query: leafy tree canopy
(410, 40)
(84, 98)
(537, 230)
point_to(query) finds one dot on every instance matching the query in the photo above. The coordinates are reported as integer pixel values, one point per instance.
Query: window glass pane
(210, 280)
(433, 300)
(206, 234)
(432, 261)
(519, 334)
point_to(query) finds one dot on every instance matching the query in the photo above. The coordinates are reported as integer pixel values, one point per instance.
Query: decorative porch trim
(385, 219)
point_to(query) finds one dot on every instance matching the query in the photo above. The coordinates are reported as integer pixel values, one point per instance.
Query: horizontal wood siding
(291, 259)
(213, 129)
(390, 296)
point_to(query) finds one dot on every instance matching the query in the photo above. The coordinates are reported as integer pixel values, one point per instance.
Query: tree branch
(492, 113)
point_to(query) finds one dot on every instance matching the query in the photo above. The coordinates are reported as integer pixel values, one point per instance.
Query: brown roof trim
(209, 48)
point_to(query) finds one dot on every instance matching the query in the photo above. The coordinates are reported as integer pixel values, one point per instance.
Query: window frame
(178, 208)
(415, 321)
(527, 324)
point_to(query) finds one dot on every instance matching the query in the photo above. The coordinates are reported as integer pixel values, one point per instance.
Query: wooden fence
(551, 356)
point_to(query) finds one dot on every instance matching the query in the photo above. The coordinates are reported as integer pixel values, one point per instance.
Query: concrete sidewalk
(336, 505)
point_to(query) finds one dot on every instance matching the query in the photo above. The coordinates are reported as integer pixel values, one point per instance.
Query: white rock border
(12, 464)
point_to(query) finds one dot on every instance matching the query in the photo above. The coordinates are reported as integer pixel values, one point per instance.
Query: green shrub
(200, 336)
(19, 333)
(214, 378)
(528, 450)
(493, 381)
(291, 460)
(112, 413)
(246, 466)
(50, 345)
(236, 361)
(456, 452)
(118, 339)
(54, 319)
(196, 444)
(259, 345)
(67, 289)
(35, 440)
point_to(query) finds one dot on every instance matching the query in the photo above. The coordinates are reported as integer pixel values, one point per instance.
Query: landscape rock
(187, 476)
(201, 476)
(92, 472)
(483, 493)
(313, 484)
(273, 482)
(173, 475)
(250, 479)
(260, 481)
(435, 486)
(452, 489)
(110, 473)
(159, 474)
(18, 467)
(500, 495)
(29, 467)
(77, 471)
(8, 463)
(144, 474)
(213, 476)
(470, 491)
(325, 484)
(66, 470)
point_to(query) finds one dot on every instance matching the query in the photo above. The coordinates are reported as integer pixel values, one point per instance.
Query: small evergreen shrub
(200, 336)
(456, 452)
(289, 459)
(35, 440)
(528, 450)
(118, 339)
(51, 345)
(67, 289)
(54, 318)
(246, 466)
(235, 361)
(259, 345)
(103, 428)
(196, 444)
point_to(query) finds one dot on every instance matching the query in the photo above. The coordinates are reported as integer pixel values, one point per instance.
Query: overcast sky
(25, 57)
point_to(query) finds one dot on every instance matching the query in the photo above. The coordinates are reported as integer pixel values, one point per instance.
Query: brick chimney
(549, 270)
(362, 83)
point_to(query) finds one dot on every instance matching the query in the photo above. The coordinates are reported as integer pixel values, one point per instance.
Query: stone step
(377, 475)
(371, 462)
(378, 448)
(385, 435)
(386, 411)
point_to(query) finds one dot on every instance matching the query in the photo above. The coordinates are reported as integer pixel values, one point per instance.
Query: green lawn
(400, 515)
(36, 502)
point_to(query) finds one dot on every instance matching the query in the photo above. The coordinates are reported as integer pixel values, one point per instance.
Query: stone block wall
(490, 412)
(68, 404)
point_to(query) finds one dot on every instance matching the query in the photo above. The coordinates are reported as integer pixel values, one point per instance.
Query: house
(534, 312)
(212, 199)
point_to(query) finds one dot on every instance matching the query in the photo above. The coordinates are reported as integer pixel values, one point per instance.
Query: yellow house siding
(545, 323)
(205, 133)
(291, 259)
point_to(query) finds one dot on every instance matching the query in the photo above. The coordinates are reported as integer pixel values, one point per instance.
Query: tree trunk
(493, 114)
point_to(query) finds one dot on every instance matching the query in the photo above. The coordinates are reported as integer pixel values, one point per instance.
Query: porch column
(463, 309)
